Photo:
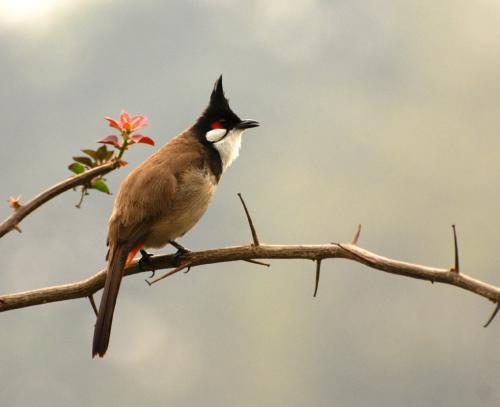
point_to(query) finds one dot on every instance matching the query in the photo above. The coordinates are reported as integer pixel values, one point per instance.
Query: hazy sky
(374, 112)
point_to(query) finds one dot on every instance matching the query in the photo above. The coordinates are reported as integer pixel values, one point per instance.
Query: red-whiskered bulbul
(166, 195)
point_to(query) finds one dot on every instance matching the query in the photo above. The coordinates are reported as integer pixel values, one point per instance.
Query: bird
(165, 196)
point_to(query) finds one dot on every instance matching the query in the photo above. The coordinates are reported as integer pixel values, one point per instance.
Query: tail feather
(132, 253)
(102, 330)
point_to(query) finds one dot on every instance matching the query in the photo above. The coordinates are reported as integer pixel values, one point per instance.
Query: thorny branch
(256, 250)
(89, 286)
(12, 222)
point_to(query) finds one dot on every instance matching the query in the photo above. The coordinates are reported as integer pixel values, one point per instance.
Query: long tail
(102, 330)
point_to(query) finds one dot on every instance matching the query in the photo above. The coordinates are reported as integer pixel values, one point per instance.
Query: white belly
(189, 204)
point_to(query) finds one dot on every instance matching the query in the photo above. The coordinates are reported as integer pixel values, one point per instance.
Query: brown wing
(147, 193)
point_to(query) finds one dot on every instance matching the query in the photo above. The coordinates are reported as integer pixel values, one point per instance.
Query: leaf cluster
(126, 126)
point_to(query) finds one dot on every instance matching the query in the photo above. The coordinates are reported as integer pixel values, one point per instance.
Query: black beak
(246, 124)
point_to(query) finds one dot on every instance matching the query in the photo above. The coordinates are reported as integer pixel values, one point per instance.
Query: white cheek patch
(215, 135)
(229, 147)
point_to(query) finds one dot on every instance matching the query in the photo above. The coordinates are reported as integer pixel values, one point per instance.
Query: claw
(181, 250)
(144, 261)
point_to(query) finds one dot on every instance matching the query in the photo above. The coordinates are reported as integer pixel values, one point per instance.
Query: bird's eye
(217, 125)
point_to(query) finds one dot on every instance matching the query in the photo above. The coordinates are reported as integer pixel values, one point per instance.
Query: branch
(12, 222)
(89, 286)
(250, 222)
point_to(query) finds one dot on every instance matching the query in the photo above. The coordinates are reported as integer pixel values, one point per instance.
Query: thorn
(456, 267)
(84, 192)
(495, 312)
(17, 228)
(250, 223)
(92, 302)
(318, 269)
(176, 270)
(356, 236)
(257, 262)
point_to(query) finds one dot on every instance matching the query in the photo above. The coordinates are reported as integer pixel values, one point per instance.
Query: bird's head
(218, 121)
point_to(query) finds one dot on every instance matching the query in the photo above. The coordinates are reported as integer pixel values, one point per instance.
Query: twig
(257, 262)
(94, 283)
(83, 193)
(356, 236)
(250, 223)
(176, 270)
(318, 269)
(92, 302)
(456, 267)
(12, 222)
(495, 312)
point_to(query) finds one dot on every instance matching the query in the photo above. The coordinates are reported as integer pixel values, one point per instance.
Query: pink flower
(127, 125)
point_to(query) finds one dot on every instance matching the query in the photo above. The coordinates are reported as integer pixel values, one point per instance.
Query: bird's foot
(144, 262)
(181, 250)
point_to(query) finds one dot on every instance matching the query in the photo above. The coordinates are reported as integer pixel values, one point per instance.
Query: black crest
(217, 110)
(217, 98)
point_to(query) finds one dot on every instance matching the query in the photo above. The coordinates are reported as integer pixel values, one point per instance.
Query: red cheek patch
(216, 125)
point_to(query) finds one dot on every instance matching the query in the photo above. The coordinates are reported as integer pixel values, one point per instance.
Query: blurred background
(374, 112)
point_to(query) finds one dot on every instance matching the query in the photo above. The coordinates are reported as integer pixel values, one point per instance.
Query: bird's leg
(180, 251)
(180, 248)
(145, 262)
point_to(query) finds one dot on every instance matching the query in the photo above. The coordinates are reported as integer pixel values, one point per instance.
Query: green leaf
(84, 160)
(102, 153)
(91, 153)
(100, 185)
(110, 154)
(77, 168)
